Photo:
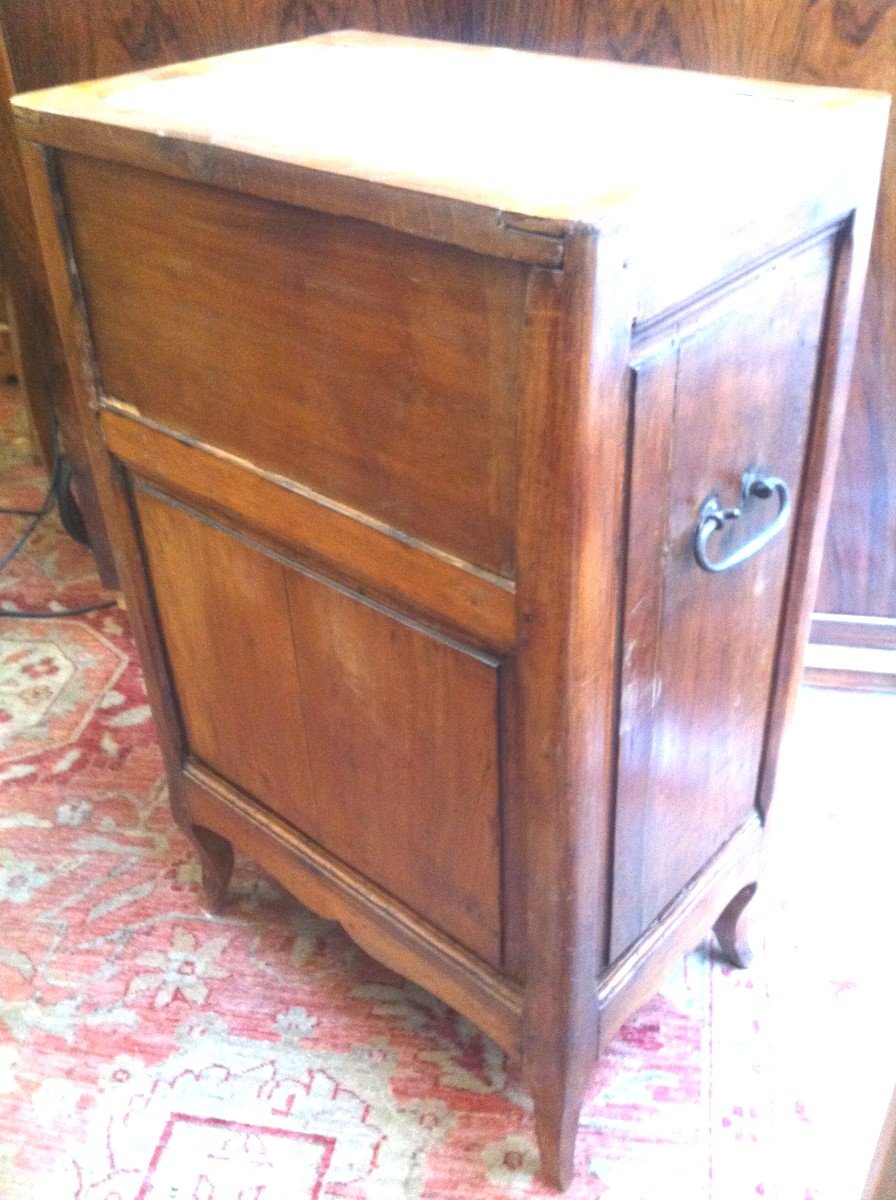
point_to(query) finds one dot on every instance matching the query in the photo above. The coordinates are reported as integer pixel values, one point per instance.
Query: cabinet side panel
(730, 388)
(377, 369)
(367, 733)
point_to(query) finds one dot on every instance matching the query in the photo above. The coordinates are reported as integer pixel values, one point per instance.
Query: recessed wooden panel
(371, 736)
(402, 731)
(733, 392)
(375, 368)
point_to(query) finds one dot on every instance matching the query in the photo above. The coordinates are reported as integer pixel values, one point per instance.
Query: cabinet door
(730, 388)
(370, 734)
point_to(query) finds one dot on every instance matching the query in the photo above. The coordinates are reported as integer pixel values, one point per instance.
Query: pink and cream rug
(149, 1052)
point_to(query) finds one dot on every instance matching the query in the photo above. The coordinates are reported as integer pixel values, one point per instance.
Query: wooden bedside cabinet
(469, 501)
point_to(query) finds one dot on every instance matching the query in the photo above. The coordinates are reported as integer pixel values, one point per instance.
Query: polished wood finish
(54, 41)
(386, 929)
(507, 732)
(834, 43)
(638, 974)
(574, 414)
(375, 559)
(874, 633)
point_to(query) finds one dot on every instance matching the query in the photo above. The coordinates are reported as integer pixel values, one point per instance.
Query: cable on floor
(36, 515)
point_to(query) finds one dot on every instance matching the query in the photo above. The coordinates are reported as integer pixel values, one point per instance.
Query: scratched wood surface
(243, 106)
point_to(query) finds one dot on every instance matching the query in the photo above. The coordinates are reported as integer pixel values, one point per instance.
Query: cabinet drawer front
(729, 389)
(377, 369)
(369, 734)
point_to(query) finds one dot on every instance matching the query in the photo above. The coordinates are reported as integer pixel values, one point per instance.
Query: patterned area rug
(149, 1052)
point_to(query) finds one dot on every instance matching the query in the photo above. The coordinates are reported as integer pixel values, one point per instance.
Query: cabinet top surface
(544, 136)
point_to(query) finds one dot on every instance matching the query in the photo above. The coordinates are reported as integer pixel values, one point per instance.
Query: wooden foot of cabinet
(216, 859)
(556, 1129)
(471, 596)
(731, 930)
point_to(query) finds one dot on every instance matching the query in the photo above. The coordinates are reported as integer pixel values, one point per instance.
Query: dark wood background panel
(838, 42)
(383, 369)
(57, 41)
(39, 355)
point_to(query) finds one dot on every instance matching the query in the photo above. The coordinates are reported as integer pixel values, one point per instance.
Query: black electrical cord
(63, 612)
(36, 515)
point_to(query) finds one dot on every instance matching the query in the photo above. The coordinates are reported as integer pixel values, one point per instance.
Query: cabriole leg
(730, 929)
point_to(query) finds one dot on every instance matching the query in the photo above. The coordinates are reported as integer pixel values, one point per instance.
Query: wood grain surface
(347, 320)
(371, 736)
(374, 558)
(56, 41)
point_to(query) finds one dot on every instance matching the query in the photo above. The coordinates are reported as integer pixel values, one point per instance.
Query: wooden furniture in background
(854, 653)
(409, 502)
(40, 361)
(47, 42)
(831, 42)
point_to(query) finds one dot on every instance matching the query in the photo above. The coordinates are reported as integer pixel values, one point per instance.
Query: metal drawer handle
(713, 517)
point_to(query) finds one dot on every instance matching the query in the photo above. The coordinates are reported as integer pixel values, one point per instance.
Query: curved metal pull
(713, 517)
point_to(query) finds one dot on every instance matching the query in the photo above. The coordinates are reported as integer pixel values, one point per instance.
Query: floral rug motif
(150, 1052)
